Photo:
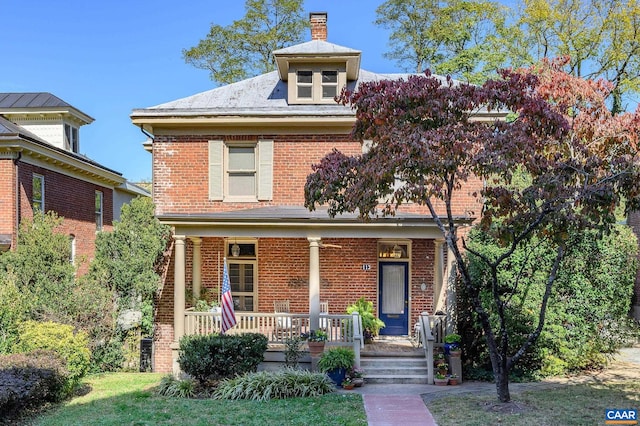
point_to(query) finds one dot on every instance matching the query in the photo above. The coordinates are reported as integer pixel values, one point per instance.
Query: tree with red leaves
(579, 160)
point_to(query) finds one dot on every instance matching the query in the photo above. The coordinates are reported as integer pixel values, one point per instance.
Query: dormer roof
(317, 52)
(40, 103)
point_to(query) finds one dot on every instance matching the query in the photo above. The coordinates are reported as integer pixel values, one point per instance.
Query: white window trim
(99, 225)
(317, 85)
(245, 261)
(227, 172)
(218, 176)
(33, 200)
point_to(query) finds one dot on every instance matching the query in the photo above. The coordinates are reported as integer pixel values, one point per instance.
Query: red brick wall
(7, 197)
(283, 273)
(74, 200)
(180, 173)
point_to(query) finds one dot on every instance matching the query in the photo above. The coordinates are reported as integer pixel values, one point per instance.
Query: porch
(342, 330)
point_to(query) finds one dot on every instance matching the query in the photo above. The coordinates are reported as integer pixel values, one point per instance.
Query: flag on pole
(226, 302)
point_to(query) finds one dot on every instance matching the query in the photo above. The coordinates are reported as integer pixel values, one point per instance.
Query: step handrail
(426, 336)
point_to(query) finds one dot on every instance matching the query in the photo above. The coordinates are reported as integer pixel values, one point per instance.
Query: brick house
(229, 169)
(41, 168)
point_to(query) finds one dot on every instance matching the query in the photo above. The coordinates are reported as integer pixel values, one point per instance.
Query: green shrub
(216, 357)
(175, 388)
(293, 352)
(266, 385)
(587, 311)
(60, 338)
(29, 380)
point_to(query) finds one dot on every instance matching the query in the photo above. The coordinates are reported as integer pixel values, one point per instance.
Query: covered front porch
(306, 258)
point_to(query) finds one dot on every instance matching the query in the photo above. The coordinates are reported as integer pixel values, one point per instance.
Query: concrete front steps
(394, 368)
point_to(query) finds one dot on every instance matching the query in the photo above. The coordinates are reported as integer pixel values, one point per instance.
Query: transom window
(37, 193)
(392, 250)
(243, 274)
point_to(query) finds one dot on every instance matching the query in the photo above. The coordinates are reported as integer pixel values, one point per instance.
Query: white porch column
(438, 277)
(179, 288)
(314, 282)
(450, 279)
(197, 267)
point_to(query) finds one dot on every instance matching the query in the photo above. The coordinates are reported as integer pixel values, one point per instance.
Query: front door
(393, 296)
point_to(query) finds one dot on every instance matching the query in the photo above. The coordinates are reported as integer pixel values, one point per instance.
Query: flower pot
(348, 387)
(337, 376)
(453, 381)
(441, 382)
(358, 381)
(315, 348)
(455, 353)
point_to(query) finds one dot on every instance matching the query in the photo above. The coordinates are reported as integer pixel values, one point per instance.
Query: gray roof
(265, 94)
(31, 100)
(39, 101)
(10, 129)
(315, 47)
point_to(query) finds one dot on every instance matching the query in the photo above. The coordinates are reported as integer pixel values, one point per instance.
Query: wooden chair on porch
(284, 326)
(324, 311)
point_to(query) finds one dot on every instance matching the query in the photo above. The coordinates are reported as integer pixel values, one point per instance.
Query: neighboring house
(41, 169)
(229, 169)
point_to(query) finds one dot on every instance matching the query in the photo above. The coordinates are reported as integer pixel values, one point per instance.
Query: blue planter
(449, 346)
(337, 376)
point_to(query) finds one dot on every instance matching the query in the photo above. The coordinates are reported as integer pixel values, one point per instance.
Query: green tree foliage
(127, 259)
(428, 143)
(588, 311)
(243, 49)
(461, 38)
(602, 39)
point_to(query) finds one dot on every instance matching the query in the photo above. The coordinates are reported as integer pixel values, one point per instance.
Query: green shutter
(265, 170)
(216, 170)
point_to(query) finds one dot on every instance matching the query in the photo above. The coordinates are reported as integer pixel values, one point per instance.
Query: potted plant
(443, 368)
(453, 379)
(315, 341)
(440, 379)
(370, 324)
(336, 362)
(452, 343)
(356, 375)
(347, 383)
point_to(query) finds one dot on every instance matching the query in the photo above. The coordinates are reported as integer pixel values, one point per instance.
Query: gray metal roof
(315, 47)
(10, 129)
(265, 94)
(38, 101)
(31, 100)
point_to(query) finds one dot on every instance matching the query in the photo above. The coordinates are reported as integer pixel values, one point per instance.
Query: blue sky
(108, 57)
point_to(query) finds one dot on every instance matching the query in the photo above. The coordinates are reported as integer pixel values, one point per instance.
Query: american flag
(226, 301)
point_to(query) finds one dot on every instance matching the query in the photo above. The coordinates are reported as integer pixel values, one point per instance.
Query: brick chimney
(318, 21)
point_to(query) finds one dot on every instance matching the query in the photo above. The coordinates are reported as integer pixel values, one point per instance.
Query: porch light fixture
(396, 252)
(235, 249)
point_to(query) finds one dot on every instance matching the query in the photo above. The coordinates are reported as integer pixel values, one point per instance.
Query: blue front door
(393, 296)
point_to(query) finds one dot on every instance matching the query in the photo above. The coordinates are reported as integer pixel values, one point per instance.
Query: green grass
(129, 398)
(582, 404)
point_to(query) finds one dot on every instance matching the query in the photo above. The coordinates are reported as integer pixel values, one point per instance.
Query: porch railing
(342, 330)
(431, 329)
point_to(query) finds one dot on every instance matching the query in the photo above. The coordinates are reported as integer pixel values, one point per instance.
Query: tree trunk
(502, 383)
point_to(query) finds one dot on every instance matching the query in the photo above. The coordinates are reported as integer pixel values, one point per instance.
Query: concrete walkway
(391, 405)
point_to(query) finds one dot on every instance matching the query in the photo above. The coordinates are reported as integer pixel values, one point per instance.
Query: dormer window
(316, 84)
(71, 138)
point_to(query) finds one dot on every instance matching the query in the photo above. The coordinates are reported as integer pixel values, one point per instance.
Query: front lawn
(128, 398)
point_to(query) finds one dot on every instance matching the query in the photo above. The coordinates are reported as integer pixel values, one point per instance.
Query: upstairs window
(329, 84)
(99, 213)
(37, 193)
(316, 85)
(240, 171)
(71, 138)
(305, 84)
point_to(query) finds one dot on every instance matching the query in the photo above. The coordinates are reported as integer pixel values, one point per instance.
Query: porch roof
(297, 221)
